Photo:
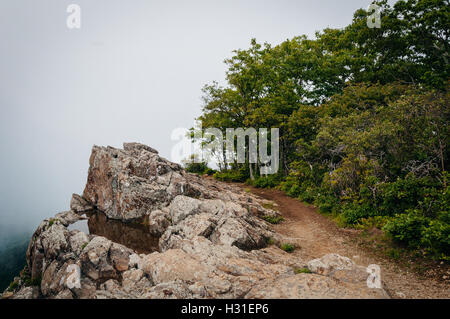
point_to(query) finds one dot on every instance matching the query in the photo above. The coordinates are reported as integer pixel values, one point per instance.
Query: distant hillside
(12, 256)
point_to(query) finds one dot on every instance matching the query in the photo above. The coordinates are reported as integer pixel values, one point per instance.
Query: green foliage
(269, 206)
(26, 277)
(209, 171)
(28, 281)
(394, 253)
(363, 116)
(13, 286)
(235, 175)
(196, 168)
(302, 271)
(289, 248)
(12, 257)
(273, 219)
(36, 281)
(372, 222)
(327, 202)
(418, 231)
(302, 181)
(352, 213)
(268, 181)
(407, 228)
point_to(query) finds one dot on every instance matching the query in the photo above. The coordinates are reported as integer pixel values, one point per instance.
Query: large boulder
(126, 184)
(129, 183)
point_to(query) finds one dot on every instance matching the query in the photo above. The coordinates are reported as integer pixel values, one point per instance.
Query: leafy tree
(363, 116)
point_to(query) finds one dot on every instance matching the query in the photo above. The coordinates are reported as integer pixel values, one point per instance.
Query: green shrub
(13, 286)
(273, 219)
(290, 186)
(269, 206)
(209, 171)
(308, 195)
(266, 182)
(27, 279)
(407, 228)
(230, 176)
(403, 194)
(352, 213)
(289, 248)
(372, 222)
(436, 238)
(197, 168)
(327, 203)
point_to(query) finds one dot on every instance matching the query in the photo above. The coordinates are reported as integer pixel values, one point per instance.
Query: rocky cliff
(155, 231)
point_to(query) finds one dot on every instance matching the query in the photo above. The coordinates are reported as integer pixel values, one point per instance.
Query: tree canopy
(363, 115)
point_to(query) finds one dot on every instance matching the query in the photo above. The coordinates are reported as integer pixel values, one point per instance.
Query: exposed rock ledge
(212, 241)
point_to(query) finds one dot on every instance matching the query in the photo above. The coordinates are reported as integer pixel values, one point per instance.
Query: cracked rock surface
(210, 241)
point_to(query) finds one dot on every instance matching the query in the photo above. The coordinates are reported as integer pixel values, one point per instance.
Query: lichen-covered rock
(26, 293)
(54, 240)
(340, 268)
(78, 241)
(235, 232)
(67, 218)
(120, 257)
(183, 206)
(158, 222)
(173, 265)
(329, 263)
(125, 183)
(95, 261)
(170, 290)
(79, 205)
(64, 294)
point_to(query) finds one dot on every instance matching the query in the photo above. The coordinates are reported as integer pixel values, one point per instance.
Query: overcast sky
(133, 72)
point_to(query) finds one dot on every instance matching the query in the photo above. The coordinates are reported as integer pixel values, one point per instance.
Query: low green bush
(407, 228)
(13, 286)
(268, 181)
(418, 231)
(373, 222)
(289, 248)
(209, 171)
(230, 176)
(196, 168)
(273, 219)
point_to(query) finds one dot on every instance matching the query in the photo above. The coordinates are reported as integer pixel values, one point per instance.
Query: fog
(133, 72)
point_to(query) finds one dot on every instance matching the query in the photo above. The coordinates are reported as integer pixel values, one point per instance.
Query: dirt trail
(317, 235)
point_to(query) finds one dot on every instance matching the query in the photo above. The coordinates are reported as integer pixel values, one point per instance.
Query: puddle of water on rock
(132, 235)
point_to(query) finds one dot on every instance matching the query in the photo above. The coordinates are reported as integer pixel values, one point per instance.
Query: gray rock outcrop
(211, 241)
